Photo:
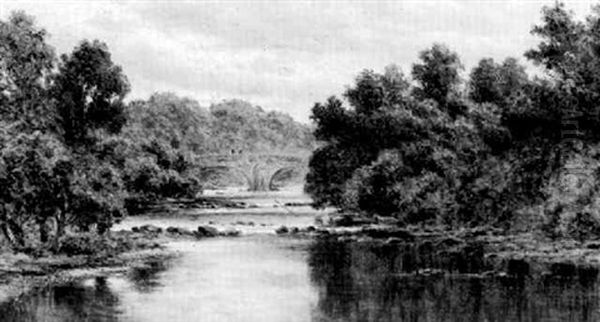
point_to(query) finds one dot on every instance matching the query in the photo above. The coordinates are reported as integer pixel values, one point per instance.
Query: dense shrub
(84, 244)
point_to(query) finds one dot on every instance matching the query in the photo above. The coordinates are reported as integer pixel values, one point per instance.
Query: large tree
(47, 183)
(569, 52)
(89, 92)
(490, 82)
(381, 117)
(484, 82)
(26, 61)
(438, 74)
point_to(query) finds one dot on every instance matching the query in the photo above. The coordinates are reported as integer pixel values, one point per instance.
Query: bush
(582, 226)
(81, 244)
(389, 187)
(92, 244)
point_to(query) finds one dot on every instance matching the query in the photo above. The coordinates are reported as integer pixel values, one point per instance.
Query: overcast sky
(281, 55)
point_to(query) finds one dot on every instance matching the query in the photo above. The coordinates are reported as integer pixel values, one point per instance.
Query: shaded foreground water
(263, 277)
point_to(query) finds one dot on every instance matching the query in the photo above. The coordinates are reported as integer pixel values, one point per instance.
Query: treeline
(492, 149)
(75, 156)
(232, 126)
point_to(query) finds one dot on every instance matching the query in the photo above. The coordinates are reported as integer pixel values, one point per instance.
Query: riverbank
(21, 273)
(480, 251)
(313, 264)
(415, 250)
(86, 255)
(145, 238)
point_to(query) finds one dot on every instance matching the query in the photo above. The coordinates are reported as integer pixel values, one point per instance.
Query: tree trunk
(4, 228)
(60, 231)
(17, 232)
(61, 221)
(102, 228)
(7, 234)
(43, 230)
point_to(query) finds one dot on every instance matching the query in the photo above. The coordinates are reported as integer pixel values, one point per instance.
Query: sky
(282, 55)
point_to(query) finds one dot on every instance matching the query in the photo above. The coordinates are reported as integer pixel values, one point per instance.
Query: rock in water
(387, 232)
(206, 231)
(180, 231)
(386, 220)
(230, 233)
(343, 221)
(150, 229)
(282, 230)
(517, 267)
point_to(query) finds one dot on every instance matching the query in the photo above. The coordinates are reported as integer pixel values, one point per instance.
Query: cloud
(281, 55)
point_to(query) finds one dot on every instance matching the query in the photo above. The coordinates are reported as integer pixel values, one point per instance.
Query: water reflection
(266, 278)
(147, 277)
(90, 301)
(371, 283)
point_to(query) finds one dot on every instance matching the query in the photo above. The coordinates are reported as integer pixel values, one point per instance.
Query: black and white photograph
(299, 160)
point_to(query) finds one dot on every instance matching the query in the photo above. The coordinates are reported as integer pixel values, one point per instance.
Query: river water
(264, 277)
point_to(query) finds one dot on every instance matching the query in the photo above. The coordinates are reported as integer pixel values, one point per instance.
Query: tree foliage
(239, 126)
(26, 61)
(496, 83)
(50, 186)
(437, 74)
(442, 155)
(89, 90)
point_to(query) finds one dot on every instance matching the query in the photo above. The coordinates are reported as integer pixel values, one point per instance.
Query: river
(264, 277)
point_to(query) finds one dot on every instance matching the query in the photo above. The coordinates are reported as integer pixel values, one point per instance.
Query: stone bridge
(260, 171)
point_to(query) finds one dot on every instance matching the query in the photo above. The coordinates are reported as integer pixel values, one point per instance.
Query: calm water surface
(262, 277)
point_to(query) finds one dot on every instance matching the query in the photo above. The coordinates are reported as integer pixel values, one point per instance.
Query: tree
(561, 116)
(89, 91)
(26, 61)
(179, 122)
(330, 167)
(28, 165)
(437, 74)
(512, 77)
(356, 137)
(373, 91)
(240, 126)
(45, 182)
(484, 82)
(417, 159)
(561, 40)
(160, 148)
(490, 82)
(45, 185)
(568, 51)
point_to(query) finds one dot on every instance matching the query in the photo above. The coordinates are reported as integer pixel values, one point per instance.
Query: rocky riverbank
(82, 256)
(21, 273)
(480, 251)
